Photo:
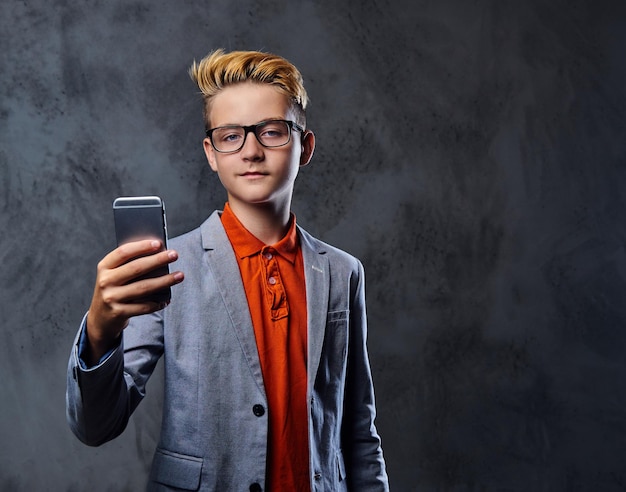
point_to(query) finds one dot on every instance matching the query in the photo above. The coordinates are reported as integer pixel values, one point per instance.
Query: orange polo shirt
(273, 278)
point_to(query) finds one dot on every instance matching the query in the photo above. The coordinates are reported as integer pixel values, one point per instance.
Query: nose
(252, 149)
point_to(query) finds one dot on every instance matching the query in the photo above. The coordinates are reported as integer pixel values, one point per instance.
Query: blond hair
(219, 69)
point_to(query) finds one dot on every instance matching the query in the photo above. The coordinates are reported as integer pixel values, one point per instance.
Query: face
(256, 175)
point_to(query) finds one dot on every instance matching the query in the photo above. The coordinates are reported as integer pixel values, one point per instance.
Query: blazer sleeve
(365, 464)
(101, 399)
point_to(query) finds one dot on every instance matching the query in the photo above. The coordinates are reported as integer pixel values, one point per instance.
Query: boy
(267, 380)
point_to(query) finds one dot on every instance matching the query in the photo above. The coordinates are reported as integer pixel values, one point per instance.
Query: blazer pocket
(337, 323)
(337, 316)
(176, 470)
(334, 350)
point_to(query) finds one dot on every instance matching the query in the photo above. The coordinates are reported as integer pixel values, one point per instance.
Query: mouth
(253, 174)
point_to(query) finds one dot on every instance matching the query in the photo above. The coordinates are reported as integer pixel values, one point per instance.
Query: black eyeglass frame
(253, 129)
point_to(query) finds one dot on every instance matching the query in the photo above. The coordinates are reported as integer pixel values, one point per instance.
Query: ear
(209, 152)
(308, 146)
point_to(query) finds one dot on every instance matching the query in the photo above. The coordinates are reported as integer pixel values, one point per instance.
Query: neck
(267, 222)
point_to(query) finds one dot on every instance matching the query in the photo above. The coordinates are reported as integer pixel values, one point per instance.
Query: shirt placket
(275, 295)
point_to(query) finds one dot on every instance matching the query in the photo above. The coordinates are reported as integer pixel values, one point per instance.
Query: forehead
(247, 103)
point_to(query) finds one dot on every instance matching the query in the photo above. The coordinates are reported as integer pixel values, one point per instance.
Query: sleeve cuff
(82, 347)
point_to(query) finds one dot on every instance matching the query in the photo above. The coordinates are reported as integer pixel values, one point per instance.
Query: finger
(116, 315)
(132, 309)
(137, 292)
(128, 251)
(144, 266)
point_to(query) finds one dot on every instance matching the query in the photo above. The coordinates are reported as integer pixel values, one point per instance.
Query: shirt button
(255, 487)
(268, 256)
(272, 280)
(258, 410)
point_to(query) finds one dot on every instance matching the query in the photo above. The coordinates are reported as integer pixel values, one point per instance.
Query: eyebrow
(260, 121)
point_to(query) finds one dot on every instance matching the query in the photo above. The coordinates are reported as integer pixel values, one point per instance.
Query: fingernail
(155, 244)
(172, 255)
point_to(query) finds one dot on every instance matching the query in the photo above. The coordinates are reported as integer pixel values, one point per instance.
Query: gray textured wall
(472, 154)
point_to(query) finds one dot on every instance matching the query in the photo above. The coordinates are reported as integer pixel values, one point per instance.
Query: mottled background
(471, 153)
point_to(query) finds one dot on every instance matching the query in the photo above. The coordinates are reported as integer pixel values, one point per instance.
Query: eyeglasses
(270, 134)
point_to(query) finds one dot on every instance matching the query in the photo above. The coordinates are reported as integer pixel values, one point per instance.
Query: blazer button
(259, 411)
(255, 487)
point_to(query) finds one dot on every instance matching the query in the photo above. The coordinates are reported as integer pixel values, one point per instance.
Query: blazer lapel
(221, 259)
(317, 280)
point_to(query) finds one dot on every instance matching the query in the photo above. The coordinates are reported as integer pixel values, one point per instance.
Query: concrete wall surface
(471, 153)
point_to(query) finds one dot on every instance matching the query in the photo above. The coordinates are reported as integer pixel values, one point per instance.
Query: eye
(228, 135)
(273, 129)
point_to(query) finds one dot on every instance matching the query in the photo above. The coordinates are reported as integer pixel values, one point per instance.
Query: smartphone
(143, 217)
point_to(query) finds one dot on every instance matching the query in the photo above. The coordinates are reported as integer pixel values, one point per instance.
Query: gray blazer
(214, 429)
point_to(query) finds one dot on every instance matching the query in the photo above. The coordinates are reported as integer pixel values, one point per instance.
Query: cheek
(296, 154)
(293, 163)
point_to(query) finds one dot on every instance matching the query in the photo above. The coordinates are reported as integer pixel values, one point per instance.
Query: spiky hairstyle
(219, 69)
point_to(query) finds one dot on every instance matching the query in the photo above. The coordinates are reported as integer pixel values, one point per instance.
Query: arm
(362, 450)
(100, 399)
(102, 394)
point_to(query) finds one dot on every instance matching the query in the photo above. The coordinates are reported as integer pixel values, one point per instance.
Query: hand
(117, 298)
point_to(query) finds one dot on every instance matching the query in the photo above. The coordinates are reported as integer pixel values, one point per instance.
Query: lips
(253, 174)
